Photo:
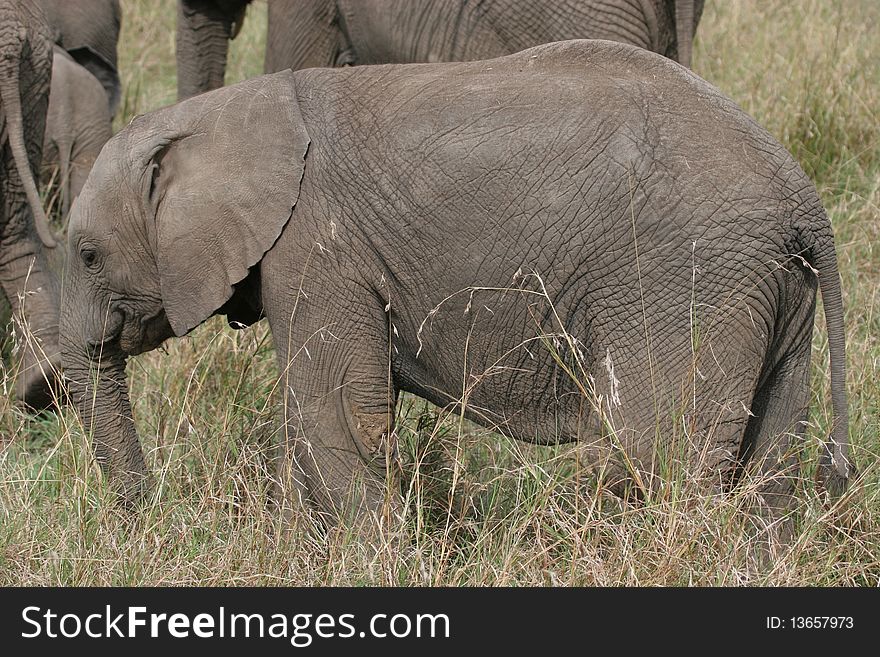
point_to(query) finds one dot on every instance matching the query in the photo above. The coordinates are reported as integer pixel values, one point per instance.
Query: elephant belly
(501, 369)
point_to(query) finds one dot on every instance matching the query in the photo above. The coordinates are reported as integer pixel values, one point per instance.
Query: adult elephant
(27, 280)
(581, 241)
(89, 31)
(307, 33)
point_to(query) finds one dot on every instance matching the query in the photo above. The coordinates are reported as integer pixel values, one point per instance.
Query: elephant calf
(78, 125)
(581, 241)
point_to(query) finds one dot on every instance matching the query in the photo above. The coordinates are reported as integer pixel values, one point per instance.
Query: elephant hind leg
(775, 433)
(774, 436)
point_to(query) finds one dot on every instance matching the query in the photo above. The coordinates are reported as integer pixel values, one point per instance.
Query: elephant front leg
(338, 452)
(337, 460)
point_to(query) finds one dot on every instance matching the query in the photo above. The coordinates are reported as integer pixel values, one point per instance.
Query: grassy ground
(483, 509)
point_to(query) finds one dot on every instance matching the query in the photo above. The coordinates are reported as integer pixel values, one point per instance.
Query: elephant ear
(223, 187)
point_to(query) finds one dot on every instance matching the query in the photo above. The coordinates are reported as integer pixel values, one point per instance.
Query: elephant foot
(133, 490)
(37, 386)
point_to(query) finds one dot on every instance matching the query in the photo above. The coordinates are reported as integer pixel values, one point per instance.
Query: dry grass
(483, 509)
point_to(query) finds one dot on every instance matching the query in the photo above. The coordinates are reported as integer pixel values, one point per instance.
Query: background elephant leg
(303, 35)
(338, 446)
(204, 28)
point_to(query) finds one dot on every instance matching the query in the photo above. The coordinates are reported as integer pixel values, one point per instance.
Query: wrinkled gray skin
(307, 33)
(204, 28)
(27, 281)
(77, 126)
(89, 31)
(389, 221)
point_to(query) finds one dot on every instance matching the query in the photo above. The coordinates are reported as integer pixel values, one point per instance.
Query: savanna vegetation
(481, 509)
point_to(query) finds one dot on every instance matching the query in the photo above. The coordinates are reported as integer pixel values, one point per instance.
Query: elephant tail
(11, 100)
(835, 469)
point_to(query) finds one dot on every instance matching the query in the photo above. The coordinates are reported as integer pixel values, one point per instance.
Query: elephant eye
(89, 256)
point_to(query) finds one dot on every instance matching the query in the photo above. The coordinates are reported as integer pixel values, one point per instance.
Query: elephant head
(179, 207)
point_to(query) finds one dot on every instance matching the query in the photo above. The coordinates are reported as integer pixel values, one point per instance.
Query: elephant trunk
(98, 389)
(11, 101)
(684, 30)
(203, 33)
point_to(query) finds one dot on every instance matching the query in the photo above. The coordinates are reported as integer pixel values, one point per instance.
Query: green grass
(483, 509)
